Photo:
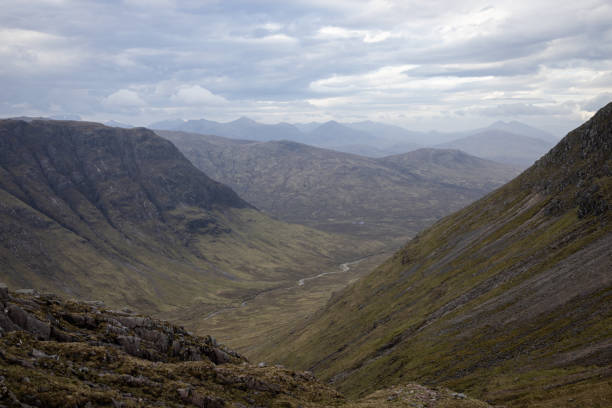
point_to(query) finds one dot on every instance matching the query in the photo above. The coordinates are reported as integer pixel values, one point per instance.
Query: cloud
(124, 98)
(196, 95)
(339, 33)
(440, 63)
(597, 102)
(25, 51)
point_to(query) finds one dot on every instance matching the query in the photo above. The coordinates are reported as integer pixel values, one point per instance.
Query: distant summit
(524, 130)
(374, 139)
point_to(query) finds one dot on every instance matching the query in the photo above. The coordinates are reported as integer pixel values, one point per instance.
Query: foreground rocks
(57, 353)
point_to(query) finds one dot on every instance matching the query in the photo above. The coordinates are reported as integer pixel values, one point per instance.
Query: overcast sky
(431, 64)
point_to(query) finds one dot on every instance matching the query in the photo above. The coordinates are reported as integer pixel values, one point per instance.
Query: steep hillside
(121, 215)
(501, 146)
(384, 198)
(509, 299)
(58, 353)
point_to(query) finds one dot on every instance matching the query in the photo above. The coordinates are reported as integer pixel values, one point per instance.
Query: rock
(130, 344)
(184, 393)
(205, 401)
(25, 291)
(3, 291)
(41, 354)
(94, 303)
(18, 315)
(262, 364)
(29, 323)
(6, 324)
(459, 395)
(220, 357)
(131, 322)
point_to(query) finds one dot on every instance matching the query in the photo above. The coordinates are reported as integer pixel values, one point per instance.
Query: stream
(343, 268)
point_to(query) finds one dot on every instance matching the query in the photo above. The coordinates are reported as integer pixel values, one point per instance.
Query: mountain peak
(243, 120)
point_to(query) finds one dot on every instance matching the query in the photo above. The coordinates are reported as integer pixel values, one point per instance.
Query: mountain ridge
(507, 299)
(342, 192)
(122, 215)
(367, 138)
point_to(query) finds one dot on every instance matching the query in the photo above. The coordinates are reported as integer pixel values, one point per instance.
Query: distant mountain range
(386, 198)
(509, 142)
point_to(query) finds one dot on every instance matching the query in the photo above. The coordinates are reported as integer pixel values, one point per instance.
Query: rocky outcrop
(46, 317)
(57, 353)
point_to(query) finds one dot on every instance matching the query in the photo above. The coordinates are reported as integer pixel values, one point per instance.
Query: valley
(387, 199)
(507, 299)
(306, 204)
(315, 280)
(121, 216)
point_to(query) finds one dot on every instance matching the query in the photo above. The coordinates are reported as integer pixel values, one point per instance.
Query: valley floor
(253, 323)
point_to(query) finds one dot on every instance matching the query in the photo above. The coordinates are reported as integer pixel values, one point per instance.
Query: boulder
(3, 291)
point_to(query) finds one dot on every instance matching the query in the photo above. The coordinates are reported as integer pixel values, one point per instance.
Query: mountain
(307, 127)
(395, 138)
(242, 128)
(333, 133)
(511, 142)
(508, 299)
(170, 124)
(366, 138)
(114, 123)
(388, 198)
(523, 129)
(121, 215)
(501, 146)
(451, 167)
(56, 353)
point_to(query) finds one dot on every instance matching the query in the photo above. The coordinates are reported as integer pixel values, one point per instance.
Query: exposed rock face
(46, 317)
(56, 353)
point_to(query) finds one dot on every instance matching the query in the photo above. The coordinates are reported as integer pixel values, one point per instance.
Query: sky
(435, 64)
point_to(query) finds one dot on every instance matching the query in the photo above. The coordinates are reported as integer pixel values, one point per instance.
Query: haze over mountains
(388, 198)
(509, 142)
(507, 299)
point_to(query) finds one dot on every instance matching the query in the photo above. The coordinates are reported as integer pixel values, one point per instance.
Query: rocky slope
(121, 215)
(389, 198)
(509, 299)
(58, 353)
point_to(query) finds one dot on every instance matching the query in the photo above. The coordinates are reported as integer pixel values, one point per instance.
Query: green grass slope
(509, 299)
(388, 199)
(121, 215)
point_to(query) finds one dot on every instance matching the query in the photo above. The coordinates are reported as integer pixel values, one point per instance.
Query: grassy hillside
(388, 199)
(509, 299)
(121, 215)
